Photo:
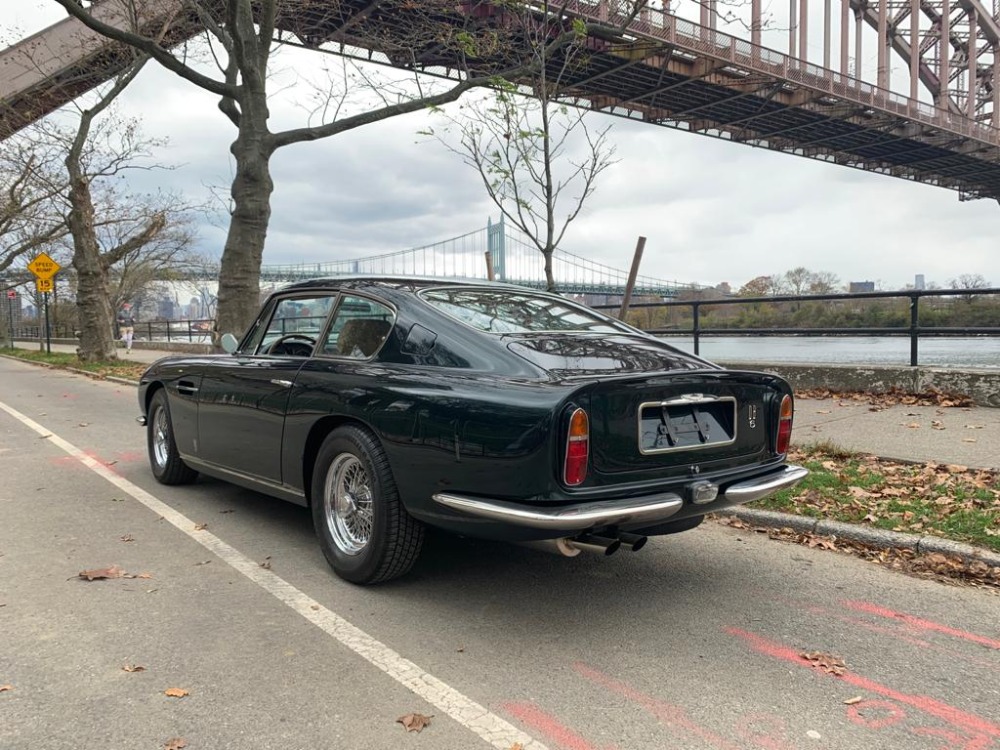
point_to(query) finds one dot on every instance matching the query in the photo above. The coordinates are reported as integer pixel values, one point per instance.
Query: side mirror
(229, 343)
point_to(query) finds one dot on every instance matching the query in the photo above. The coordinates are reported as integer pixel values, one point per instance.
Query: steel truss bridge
(938, 124)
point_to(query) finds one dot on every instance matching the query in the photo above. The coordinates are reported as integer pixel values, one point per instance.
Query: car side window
(295, 326)
(360, 327)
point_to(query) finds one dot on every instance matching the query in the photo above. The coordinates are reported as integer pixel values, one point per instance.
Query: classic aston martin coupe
(493, 411)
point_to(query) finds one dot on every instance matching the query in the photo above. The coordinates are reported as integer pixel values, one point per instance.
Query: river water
(977, 352)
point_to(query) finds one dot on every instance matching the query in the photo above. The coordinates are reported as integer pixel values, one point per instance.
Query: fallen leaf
(968, 440)
(84, 424)
(913, 426)
(517, 746)
(200, 526)
(854, 700)
(822, 411)
(314, 607)
(266, 563)
(826, 662)
(133, 668)
(5, 688)
(99, 574)
(414, 722)
(126, 538)
(144, 576)
(175, 692)
(177, 743)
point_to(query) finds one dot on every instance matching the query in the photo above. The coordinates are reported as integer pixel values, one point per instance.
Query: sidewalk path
(950, 435)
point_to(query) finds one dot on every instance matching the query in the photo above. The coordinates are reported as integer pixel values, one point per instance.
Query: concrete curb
(866, 535)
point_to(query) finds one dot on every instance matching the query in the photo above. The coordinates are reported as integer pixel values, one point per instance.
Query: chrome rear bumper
(650, 509)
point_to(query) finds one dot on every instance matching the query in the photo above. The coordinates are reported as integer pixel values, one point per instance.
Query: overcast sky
(712, 211)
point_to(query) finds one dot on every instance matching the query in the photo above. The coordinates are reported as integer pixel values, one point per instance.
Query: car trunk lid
(673, 422)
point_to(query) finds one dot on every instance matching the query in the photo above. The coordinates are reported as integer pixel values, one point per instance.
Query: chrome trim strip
(687, 399)
(572, 518)
(197, 463)
(754, 489)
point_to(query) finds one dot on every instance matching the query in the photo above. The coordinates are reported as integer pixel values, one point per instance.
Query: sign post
(44, 269)
(11, 296)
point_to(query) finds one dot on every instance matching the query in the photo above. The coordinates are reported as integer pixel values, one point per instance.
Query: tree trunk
(96, 319)
(550, 282)
(239, 274)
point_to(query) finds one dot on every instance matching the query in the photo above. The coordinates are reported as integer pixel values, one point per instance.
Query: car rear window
(507, 311)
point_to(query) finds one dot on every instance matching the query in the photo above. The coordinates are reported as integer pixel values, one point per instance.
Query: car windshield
(507, 311)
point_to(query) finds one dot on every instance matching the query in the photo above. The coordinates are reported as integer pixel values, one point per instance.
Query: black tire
(368, 537)
(164, 460)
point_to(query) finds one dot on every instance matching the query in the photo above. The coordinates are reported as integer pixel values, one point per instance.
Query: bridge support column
(496, 244)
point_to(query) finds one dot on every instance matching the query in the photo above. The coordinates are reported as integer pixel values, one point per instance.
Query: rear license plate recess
(688, 422)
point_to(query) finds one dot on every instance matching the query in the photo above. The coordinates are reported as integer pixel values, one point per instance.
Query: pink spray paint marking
(918, 623)
(542, 723)
(954, 716)
(673, 716)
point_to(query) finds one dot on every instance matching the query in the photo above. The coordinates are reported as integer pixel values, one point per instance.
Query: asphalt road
(694, 642)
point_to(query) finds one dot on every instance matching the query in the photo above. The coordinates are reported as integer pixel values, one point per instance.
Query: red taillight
(577, 448)
(784, 425)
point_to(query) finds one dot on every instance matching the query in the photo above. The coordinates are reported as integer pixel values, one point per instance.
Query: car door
(244, 398)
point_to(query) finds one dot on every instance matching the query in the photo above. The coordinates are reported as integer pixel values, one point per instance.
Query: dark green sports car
(493, 411)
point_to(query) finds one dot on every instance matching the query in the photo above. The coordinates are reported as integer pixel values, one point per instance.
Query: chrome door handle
(188, 389)
(282, 383)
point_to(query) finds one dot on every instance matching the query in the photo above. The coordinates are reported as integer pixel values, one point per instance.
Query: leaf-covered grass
(945, 500)
(120, 368)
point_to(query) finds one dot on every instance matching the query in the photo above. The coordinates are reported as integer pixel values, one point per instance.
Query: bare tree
(969, 281)
(406, 34)
(520, 140)
(30, 182)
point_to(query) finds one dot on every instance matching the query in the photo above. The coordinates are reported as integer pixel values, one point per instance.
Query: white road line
(473, 716)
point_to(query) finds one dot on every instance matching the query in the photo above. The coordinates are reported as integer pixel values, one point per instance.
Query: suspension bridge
(515, 260)
(840, 100)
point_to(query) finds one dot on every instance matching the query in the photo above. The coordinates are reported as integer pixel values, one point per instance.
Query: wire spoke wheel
(347, 503)
(164, 458)
(161, 438)
(363, 528)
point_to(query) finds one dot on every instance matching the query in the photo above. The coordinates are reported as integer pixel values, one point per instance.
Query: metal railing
(191, 331)
(911, 328)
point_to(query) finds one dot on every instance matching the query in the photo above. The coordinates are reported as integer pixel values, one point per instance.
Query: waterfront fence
(944, 313)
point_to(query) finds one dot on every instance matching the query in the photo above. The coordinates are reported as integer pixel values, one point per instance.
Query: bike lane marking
(473, 716)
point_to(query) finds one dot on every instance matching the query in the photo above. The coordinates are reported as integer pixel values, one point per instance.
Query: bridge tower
(496, 243)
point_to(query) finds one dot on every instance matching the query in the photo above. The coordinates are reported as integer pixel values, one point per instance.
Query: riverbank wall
(982, 386)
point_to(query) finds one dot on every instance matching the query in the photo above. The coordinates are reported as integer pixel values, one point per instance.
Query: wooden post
(489, 266)
(633, 272)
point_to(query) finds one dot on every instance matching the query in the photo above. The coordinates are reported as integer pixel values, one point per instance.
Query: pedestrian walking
(126, 326)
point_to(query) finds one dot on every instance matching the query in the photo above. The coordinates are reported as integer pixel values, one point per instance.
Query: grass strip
(117, 367)
(946, 500)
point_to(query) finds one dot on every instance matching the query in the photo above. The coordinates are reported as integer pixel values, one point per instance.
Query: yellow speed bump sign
(44, 268)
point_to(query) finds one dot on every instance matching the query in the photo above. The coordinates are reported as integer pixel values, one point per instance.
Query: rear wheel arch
(317, 436)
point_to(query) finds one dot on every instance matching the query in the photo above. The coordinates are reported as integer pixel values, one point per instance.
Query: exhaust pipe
(635, 542)
(571, 547)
